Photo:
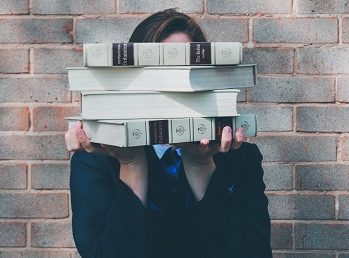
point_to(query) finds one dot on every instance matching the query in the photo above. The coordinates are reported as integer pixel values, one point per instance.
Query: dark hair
(160, 25)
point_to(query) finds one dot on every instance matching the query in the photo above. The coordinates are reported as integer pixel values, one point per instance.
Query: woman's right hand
(133, 162)
(77, 140)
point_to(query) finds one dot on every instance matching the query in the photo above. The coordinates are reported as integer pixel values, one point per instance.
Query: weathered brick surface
(345, 154)
(321, 236)
(322, 60)
(281, 235)
(301, 206)
(322, 119)
(278, 176)
(13, 176)
(223, 29)
(343, 89)
(296, 89)
(295, 30)
(322, 177)
(303, 255)
(24, 205)
(51, 234)
(151, 6)
(76, 255)
(50, 176)
(51, 118)
(270, 60)
(270, 118)
(35, 254)
(297, 148)
(63, 58)
(323, 6)
(14, 60)
(35, 30)
(345, 35)
(14, 7)
(105, 30)
(35, 89)
(14, 118)
(33, 147)
(73, 7)
(249, 6)
(12, 234)
(344, 207)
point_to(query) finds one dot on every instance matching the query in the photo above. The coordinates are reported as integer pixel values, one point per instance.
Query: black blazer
(230, 221)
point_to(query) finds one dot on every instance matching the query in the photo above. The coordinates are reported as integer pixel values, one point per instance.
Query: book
(142, 54)
(128, 133)
(155, 105)
(162, 78)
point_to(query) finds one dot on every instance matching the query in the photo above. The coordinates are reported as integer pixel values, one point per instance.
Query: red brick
(35, 89)
(29, 205)
(281, 235)
(345, 150)
(33, 147)
(14, 6)
(13, 176)
(51, 118)
(63, 58)
(12, 234)
(295, 30)
(345, 27)
(36, 30)
(14, 118)
(51, 234)
(50, 176)
(14, 60)
(38, 253)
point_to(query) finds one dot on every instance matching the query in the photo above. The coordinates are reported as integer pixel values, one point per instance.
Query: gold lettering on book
(197, 60)
(124, 59)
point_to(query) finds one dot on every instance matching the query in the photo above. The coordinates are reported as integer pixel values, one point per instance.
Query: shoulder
(92, 160)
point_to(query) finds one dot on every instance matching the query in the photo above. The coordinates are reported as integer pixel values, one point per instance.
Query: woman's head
(168, 23)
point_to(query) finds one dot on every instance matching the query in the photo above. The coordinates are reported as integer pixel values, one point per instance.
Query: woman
(146, 202)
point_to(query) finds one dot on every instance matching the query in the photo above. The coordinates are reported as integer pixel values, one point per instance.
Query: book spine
(153, 54)
(150, 132)
(124, 54)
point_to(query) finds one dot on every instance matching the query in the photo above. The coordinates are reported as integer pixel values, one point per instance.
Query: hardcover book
(142, 54)
(127, 133)
(151, 104)
(162, 78)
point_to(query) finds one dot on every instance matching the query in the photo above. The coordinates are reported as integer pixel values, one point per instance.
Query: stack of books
(157, 93)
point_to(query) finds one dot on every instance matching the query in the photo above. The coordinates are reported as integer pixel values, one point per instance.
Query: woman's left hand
(198, 158)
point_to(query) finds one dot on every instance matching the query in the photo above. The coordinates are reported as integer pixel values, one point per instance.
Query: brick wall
(302, 104)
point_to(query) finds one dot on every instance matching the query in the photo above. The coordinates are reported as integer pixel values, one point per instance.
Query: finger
(239, 138)
(204, 145)
(226, 140)
(71, 140)
(84, 141)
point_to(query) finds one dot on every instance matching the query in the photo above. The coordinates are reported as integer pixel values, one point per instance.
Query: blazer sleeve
(241, 174)
(108, 219)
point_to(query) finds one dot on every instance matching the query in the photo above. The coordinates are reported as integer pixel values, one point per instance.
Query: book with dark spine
(128, 133)
(143, 54)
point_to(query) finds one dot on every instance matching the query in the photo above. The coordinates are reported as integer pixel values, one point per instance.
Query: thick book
(142, 54)
(162, 78)
(128, 133)
(154, 105)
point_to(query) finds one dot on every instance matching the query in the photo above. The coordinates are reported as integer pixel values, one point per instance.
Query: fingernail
(79, 133)
(227, 130)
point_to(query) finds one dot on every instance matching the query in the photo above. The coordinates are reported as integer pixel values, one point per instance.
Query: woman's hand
(198, 158)
(133, 162)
